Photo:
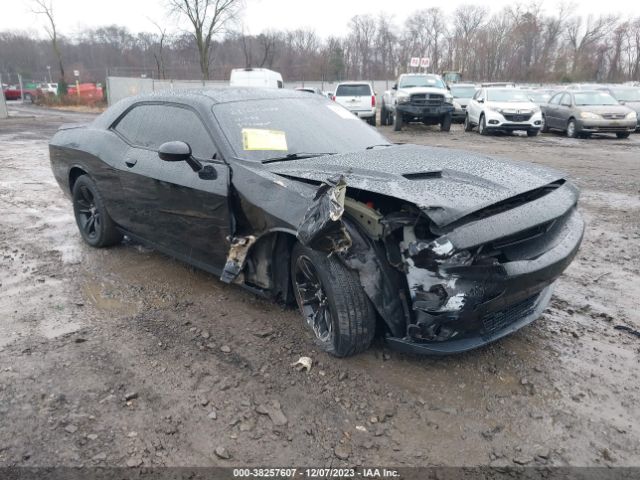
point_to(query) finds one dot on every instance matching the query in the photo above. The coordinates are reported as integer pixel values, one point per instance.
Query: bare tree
(208, 18)
(42, 7)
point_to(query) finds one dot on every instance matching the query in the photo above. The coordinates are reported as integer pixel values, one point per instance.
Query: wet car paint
(233, 225)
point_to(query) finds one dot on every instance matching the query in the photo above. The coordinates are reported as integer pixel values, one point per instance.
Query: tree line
(523, 43)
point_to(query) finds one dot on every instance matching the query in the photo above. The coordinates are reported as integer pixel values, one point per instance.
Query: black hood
(446, 184)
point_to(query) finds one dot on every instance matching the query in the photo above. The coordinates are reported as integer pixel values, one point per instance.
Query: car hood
(446, 184)
(413, 90)
(635, 106)
(600, 109)
(513, 105)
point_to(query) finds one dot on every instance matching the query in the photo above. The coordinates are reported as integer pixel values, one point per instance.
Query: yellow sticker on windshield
(262, 139)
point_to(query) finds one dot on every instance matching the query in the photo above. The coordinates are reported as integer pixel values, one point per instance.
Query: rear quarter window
(363, 90)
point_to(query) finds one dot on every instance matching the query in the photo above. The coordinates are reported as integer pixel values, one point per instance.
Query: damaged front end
(449, 288)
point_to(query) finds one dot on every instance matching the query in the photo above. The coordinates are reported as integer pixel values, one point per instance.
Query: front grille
(613, 116)
(496, 321)
(513, 117)
(427, 99)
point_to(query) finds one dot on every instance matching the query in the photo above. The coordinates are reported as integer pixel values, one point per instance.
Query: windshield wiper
(296, 156)
(371, 147)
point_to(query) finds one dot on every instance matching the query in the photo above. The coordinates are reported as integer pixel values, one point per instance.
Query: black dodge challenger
(291, 196)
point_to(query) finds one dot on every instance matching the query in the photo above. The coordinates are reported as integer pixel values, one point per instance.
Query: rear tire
(95, 225)
(622, 135)
(445, 125)
(332, 302)
(468, 126)
(397, 121)
(372, 120)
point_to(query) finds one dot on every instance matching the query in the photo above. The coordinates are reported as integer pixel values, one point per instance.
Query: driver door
(170, 205)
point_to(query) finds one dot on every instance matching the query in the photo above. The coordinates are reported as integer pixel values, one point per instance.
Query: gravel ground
(127, 357)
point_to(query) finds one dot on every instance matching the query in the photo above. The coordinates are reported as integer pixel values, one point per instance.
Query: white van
(255, 77)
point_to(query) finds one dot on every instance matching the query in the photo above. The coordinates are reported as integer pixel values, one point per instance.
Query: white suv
(505, 109)
(359, 98)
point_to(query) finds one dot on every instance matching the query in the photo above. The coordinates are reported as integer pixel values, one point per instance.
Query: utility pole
(21, 89)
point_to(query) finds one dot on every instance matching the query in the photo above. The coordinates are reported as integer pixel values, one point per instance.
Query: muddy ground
(127, 357)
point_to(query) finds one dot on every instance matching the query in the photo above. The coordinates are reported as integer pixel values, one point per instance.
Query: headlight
(457, 105)
(448, 98)
(535, 109)
(589, 115)
(403, 98)
(631, 116)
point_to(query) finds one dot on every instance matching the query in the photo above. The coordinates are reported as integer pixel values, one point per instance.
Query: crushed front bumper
(510, 320)
(478, 304)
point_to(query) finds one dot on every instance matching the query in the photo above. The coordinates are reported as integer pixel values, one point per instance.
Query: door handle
(130, 162)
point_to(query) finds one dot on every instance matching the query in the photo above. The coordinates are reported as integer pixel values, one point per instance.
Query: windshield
(627, 94)
(408, 81)
(539, 97)
(506, 95)
(463, 92)
(353, 91)
(594, 98)
(264, 129)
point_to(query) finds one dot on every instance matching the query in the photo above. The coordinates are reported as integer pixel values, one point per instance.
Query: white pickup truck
(417, 97)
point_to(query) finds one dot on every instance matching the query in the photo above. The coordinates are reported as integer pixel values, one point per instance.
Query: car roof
(200, 98)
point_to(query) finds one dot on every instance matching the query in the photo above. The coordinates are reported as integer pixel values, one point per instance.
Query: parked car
(86, 91)
(315, 91)
(255, 77)
(580, 113)
(49, 88)
(539, 97)
(28, 93)
(628, 96)
(417, 97)
(462, 95)
(502, 109)
(359, 98)
(285, 193)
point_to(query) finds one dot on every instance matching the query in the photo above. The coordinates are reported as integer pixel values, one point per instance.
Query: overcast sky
(326, 17)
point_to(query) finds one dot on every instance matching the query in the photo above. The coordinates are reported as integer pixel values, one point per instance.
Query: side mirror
(174, 151)
(481, 100)
(395, 86)
(178, 152)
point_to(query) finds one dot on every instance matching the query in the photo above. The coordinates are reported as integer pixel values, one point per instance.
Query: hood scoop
(423, 175)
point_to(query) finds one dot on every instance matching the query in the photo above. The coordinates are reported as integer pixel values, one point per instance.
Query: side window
(477, 95)
(150, 126)
(566, 100)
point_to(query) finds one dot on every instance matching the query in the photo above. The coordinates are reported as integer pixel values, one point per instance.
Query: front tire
(95, 225)
(622, 135)
(397, 121)
(468, 126)
(482, 126)
(533, 132)
(384, 116)
(445, 125)
(572, 130)
(545, 127)
(332, 302)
